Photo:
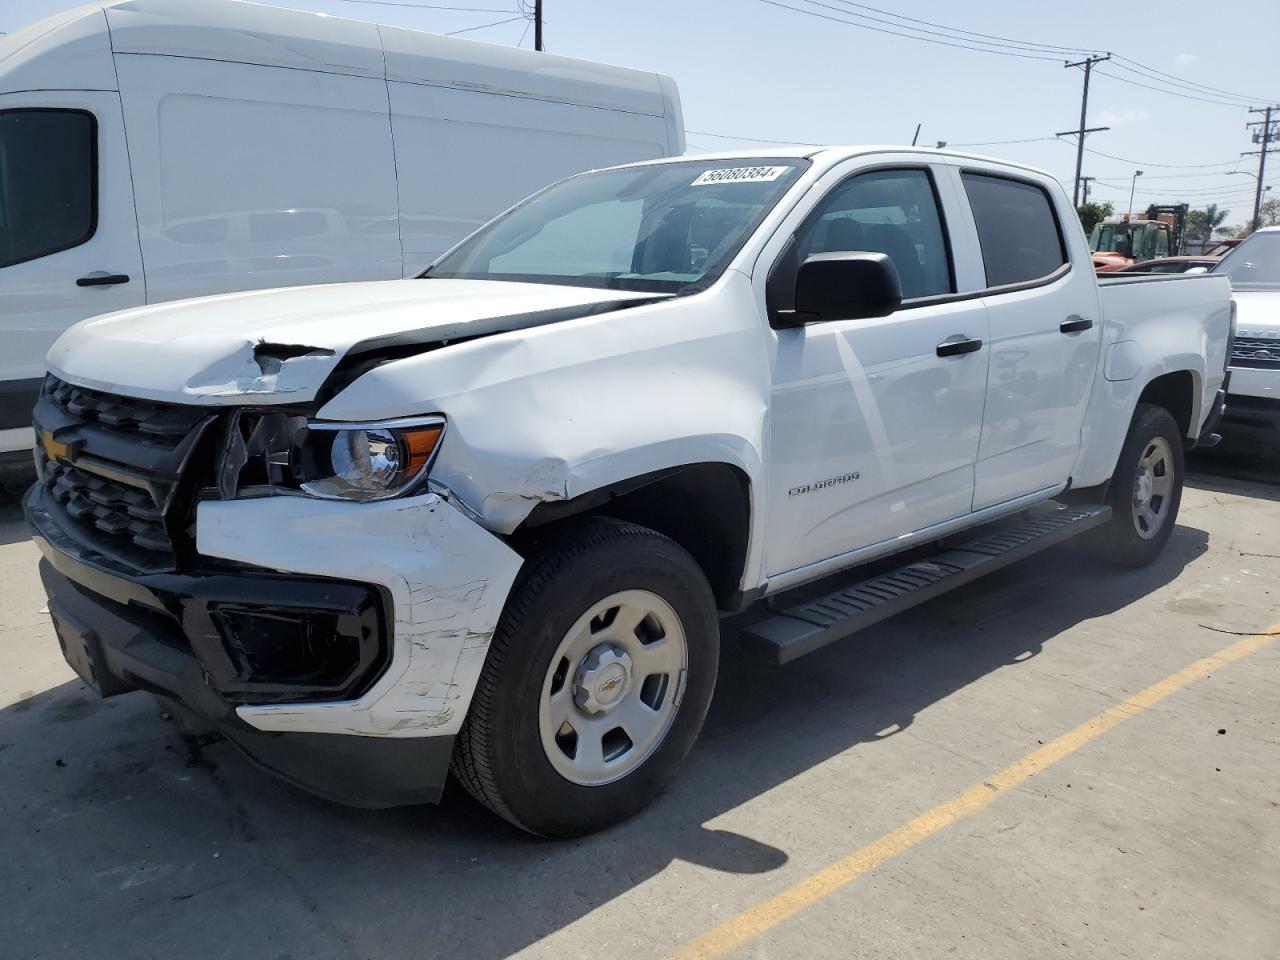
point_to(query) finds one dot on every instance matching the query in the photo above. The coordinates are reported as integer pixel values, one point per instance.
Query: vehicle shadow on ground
(137, 819)
(14, 481)
(1235, 467)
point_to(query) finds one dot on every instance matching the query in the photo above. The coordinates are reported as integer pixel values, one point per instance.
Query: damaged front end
(289, 580)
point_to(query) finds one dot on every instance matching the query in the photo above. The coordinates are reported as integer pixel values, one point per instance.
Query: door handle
(102, 279)
(1074, 324)
(960, 344)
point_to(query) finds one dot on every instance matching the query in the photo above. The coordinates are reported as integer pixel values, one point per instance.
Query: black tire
(499, 756)
(1122, 541)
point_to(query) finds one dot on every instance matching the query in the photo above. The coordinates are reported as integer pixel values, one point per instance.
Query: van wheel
(1145, 490)
(596, 683)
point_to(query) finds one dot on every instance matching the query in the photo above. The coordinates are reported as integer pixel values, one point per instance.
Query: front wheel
(1145, 490)
(596, 683)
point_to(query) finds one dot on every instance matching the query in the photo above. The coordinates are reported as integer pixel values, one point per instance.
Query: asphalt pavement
(1060, 760)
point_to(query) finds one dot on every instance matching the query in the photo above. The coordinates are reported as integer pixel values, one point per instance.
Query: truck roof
(72, 50)
(834, 153)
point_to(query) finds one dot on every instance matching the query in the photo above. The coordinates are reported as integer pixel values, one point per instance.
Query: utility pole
(1262, 137)
(1085, 187)
(1084, 110)
(537, 24)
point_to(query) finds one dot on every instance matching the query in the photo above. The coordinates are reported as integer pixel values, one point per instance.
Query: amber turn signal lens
(420, 443)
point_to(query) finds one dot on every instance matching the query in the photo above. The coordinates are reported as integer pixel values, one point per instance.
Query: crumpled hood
(1258, 313)
(279, 346)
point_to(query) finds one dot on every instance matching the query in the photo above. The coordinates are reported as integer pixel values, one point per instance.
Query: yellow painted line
(764, 916)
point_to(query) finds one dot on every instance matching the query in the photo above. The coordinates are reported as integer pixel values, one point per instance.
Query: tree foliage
(1202, 224)
(1269, 214)
(1092, 213)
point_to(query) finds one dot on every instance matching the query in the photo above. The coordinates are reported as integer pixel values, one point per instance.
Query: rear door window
(48, 182)
(1017, 228)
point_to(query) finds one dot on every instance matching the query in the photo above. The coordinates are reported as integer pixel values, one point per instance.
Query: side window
(894, 212)
(48, 182)
(1017, 229)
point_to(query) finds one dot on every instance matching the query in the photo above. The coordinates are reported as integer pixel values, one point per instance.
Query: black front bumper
(124, 632)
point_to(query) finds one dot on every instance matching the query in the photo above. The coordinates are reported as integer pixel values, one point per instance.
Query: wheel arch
(704, 507)
(1178, 391)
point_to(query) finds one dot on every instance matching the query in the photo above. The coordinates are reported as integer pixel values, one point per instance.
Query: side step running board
(801, 629)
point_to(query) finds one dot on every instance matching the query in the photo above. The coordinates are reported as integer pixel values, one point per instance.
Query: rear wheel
(596, 683)
(1145, 490)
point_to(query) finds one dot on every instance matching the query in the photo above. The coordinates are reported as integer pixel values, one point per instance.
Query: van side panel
(464, 157)
(251, 177)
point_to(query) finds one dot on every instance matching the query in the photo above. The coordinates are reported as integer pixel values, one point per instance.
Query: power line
(950, 34)
(1128, 63)
(1171, 166)
(1008, 47)
(729, 136)
(484, 26)
(1171, 76)
(1182, 176)
(997, 143)
(984, 36)
(1174, 191)
(894, 33)
(1192, 89)
(1172, 93)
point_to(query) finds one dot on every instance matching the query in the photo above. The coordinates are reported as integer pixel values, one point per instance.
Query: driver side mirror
(846, 286)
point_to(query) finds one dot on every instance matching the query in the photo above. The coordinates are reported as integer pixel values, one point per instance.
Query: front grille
(127, 515)
(1255, 352)
(115, 473)
(164, 423)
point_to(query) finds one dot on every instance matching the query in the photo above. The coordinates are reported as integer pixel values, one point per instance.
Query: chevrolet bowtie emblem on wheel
(55, 449)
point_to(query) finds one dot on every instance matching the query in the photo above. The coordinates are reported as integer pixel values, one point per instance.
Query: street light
(1136, 175)
(1256, 222)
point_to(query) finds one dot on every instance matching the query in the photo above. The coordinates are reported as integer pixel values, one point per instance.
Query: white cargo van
(153, 150)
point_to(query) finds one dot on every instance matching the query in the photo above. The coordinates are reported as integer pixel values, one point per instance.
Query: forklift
(1123, 242)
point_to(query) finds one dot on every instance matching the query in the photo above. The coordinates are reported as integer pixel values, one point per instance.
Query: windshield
(1254, 264)
(1110, 238)
(668, 227)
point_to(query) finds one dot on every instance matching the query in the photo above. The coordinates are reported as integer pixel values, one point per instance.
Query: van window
(1017, 229)
(48, 182)
(887, 211)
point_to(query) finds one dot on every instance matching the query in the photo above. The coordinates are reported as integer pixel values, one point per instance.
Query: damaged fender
(552, 412)
(447, 577)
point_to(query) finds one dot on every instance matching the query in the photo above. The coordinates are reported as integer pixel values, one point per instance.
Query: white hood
(211, 350)
(1258, 313)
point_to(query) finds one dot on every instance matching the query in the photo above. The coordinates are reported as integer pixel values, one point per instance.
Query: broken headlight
(367, 461)
(335, 461)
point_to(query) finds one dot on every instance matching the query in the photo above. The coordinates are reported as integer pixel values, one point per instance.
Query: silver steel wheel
(1153, 487)
(611, 691)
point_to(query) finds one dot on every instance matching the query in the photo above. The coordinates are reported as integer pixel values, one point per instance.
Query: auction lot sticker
(738, 175)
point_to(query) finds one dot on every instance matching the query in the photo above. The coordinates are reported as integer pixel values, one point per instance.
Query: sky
(765, 70)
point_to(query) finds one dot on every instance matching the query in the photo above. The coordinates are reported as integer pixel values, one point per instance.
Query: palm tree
(1201, 224)
(1214, 218)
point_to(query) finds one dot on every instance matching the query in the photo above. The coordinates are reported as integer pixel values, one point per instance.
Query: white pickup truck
(488, 520)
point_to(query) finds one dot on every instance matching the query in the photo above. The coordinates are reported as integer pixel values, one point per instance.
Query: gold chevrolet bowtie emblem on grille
(55, 449)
